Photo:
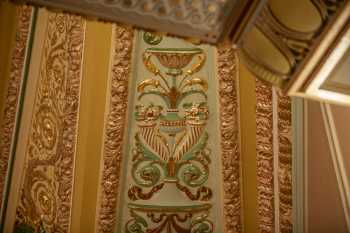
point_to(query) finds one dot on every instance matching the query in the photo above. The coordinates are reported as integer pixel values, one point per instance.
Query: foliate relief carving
(13, 93)
(114, 129)
(46, 189)
(171, 144)
(265, 157)
(264, 140)
(285, 162)
(175, 143)
(170, 218)
(227, 75)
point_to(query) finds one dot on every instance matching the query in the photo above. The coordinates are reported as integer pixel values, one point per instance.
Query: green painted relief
(152, 38)
(170, 177)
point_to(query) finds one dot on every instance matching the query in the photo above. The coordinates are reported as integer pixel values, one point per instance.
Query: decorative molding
(285, 163)
(114, 129)
(262, 70)
(265, 160)
(227, 68)
(318, 79)
(17, 70)
(275, 146)
(207, 20)
(47, 183)
(338, 161)
(274, 157)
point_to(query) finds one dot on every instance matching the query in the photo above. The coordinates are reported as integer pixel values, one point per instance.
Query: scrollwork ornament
(153, 219)
(136, 225)
(136, 193)
(168, 139)
(170, 143)
(46, 127)
(202, 225)
(150, 174)
(192, 174)
(46, 189)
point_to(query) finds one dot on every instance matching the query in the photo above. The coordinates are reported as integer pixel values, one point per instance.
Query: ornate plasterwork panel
(274, 159)
(169, 161)
(18, 59)
(46, 186)
(123, 39)
(285, 162)
(227, 75)
(162, 158)
(265, 165)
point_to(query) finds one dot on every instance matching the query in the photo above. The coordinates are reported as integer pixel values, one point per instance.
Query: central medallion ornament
(170, 149)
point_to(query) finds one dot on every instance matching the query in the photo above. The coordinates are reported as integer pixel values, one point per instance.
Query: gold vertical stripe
(11, 101)
(248, 149)
(285, 162)
(228, 67)
(8, 27)
(114, 129)
(46, 187)
(97, 49)
(264, 149)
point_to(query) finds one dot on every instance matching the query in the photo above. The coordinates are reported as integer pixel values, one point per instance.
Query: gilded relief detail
(13, 92)
(265, 157)
(227, 75)
(169, 219)
(285, 162)
(114, 129)
(46, 190)
(264, 140)
(171, 144)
